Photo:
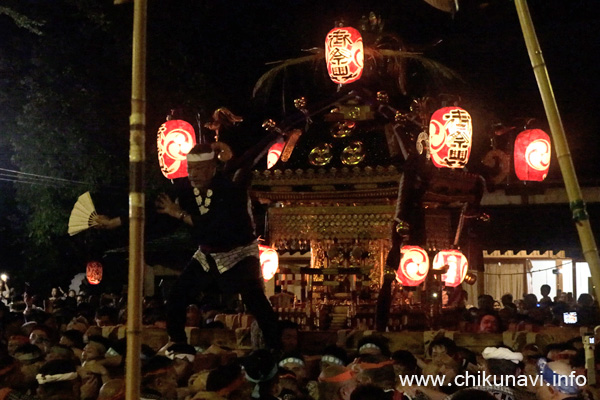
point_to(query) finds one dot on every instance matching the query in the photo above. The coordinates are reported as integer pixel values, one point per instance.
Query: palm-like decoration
(386, 55)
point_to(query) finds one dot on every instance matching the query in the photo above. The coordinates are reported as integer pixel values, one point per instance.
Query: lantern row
(414, 266)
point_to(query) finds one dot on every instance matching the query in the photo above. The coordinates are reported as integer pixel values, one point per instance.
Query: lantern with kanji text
(269, 261)
(532, 155)
(174, 140)
(93, 272)
(457, 266)
(344, 55)
(450, 133)
(413, 267)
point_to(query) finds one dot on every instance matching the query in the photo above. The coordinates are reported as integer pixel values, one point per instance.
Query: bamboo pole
(580, 215)
(137, 126)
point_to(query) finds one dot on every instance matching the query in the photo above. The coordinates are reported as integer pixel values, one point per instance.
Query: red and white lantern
(269, 261)
(174, 140)
(414, 266)
(450, 133)
(274, 154)
(344, 55)
(532, 155)
(93, 272)
(457, 266)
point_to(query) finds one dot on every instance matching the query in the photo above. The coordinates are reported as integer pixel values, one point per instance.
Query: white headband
(368, 346)
(332, 359)
(181, 356)
(291, 360)
(43, 379)
(501, 353)
(196, 157)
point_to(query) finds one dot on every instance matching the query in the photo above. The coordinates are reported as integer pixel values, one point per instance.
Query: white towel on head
(501, 353)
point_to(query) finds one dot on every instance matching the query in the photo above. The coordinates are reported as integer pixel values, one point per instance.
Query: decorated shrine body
(341, 208)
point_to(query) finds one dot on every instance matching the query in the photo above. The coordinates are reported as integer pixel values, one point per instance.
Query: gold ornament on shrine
(353, 154)
(320, 155)
(343, 129)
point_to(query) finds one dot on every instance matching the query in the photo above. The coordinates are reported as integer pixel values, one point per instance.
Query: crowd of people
(49, 350)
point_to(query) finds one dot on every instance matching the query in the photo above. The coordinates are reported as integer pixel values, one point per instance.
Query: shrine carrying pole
(137, 129)
(580, 215)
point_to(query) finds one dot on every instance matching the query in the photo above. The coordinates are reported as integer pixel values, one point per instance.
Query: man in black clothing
(217, 207)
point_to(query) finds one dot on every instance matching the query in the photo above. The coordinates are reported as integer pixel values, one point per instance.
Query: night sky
(231, 43)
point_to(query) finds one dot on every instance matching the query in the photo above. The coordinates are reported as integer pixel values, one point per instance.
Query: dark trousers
(244, 278)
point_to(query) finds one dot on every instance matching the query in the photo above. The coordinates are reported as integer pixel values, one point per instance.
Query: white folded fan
(82, 215)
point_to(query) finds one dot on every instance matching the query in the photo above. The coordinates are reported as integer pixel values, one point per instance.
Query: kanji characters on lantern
(413, 267)
(93, 272)
(174, 140)
(457, 266)
(532, 155)
(269, 261)
(450, 132)
(344, 55)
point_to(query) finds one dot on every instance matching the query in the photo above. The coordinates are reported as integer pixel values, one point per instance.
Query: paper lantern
(269, 261)
(457, 266)
(174, 140)
(413, 267)
(532, 155)
(93, 272)
(450, 132)
(274, 154)
(344, 55)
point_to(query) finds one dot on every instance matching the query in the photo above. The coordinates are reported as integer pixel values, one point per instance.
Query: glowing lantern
(269, 261)
(274, 154)
(344, 55)
(532, 155)
(414, 266)
(93, 272)
(174, 140)
(450, 132)
(457, 266)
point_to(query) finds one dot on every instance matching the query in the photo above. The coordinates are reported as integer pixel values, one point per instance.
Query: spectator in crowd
(74, 340)
(159, 379)
(373, 344)
(114, 389)
(488, 323)
(183, 356)
(559, 382)
(58, 380)
(260, 369)
(106, 316)
(545, 292)
(336, 383)
(288, 334)
(377, 370)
